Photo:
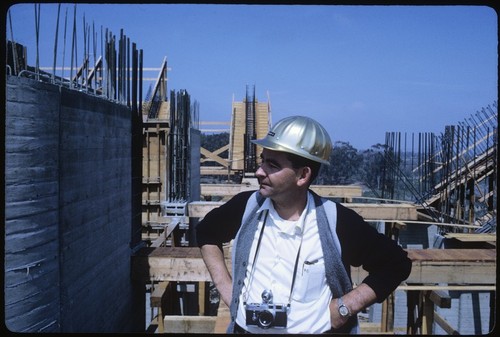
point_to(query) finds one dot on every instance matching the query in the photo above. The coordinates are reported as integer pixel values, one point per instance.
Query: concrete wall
(69, 219)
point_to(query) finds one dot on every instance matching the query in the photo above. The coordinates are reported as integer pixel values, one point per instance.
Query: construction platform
(433, 271)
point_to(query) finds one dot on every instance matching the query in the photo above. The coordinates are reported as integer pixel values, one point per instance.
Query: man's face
(277, 177)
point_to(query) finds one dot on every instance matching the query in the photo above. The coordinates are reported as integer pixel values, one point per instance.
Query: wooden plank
(459, 255)
(472, 237)
(341, 191)
(452, 287)
(214, 170)
(189, 324)
(210, 156)
(198, 209)
(385, 211)
(169, 264)
(225, 189)
(454, 266)
(443, 323)
(322, 190)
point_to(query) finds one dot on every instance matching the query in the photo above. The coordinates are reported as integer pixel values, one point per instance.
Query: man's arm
(214, 260)
(356, 300)
(385, 261)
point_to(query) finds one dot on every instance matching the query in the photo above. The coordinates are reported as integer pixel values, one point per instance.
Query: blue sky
(361, 71)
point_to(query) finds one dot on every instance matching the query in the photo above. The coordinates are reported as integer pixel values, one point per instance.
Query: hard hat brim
(271, 145)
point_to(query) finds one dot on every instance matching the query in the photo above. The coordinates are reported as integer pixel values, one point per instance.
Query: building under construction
(250, 119)
(103, 192)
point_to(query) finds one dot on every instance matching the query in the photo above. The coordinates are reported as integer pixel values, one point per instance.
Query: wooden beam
(427, 314)
(430, 266)
(214, 157)
(215, 171)
(385, 211)
(198, 209)
(440, 298)
(454, 266)
(340, 191)
(448, 287)
(158, 297)
(224, 189)
(443, 323)
(162, 221)
(169, 264)
(323, 190)
(472, 237)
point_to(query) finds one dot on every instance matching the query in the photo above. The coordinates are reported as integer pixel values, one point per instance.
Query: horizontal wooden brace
(348, 191)
(198, 209)
(429, 266)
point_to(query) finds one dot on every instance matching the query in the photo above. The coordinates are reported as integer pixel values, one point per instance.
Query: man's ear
(304, 176)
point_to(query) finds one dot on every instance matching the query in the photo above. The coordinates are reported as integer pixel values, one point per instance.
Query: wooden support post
(387, 319)
(427, 314)
(412, 324)
(201, 298)
(157, 300)
(383, 320)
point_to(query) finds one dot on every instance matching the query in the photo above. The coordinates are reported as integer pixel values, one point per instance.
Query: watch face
(343, 310)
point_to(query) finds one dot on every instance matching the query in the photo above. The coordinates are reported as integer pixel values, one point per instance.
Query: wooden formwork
(238, 129)
(154, 168)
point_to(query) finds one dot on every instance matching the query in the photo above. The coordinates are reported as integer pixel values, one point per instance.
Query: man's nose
(260, 171)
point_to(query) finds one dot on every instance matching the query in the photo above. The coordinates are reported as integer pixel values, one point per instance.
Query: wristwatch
(343, 309)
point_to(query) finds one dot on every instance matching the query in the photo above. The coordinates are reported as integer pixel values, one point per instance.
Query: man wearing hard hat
(293, 249)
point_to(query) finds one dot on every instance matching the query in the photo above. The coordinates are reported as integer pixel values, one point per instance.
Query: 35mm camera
(266, 314)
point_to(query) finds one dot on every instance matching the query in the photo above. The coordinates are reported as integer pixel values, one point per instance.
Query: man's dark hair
(298, 162)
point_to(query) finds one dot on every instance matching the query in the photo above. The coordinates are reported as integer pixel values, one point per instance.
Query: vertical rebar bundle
(250, 149)
(453, 176)
(109, 76)
(181, 113)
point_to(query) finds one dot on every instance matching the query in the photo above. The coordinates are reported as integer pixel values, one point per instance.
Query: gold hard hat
(300, 135)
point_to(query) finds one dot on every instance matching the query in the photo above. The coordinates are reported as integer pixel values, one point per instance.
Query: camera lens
(266, 318)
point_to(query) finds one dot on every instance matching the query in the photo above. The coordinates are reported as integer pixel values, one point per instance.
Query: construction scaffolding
(453, 175)
(167, 173)
(249, 120)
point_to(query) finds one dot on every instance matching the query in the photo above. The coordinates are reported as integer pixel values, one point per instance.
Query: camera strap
(255, 259)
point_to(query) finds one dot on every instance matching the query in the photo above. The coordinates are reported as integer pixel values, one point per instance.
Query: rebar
(454, 174)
